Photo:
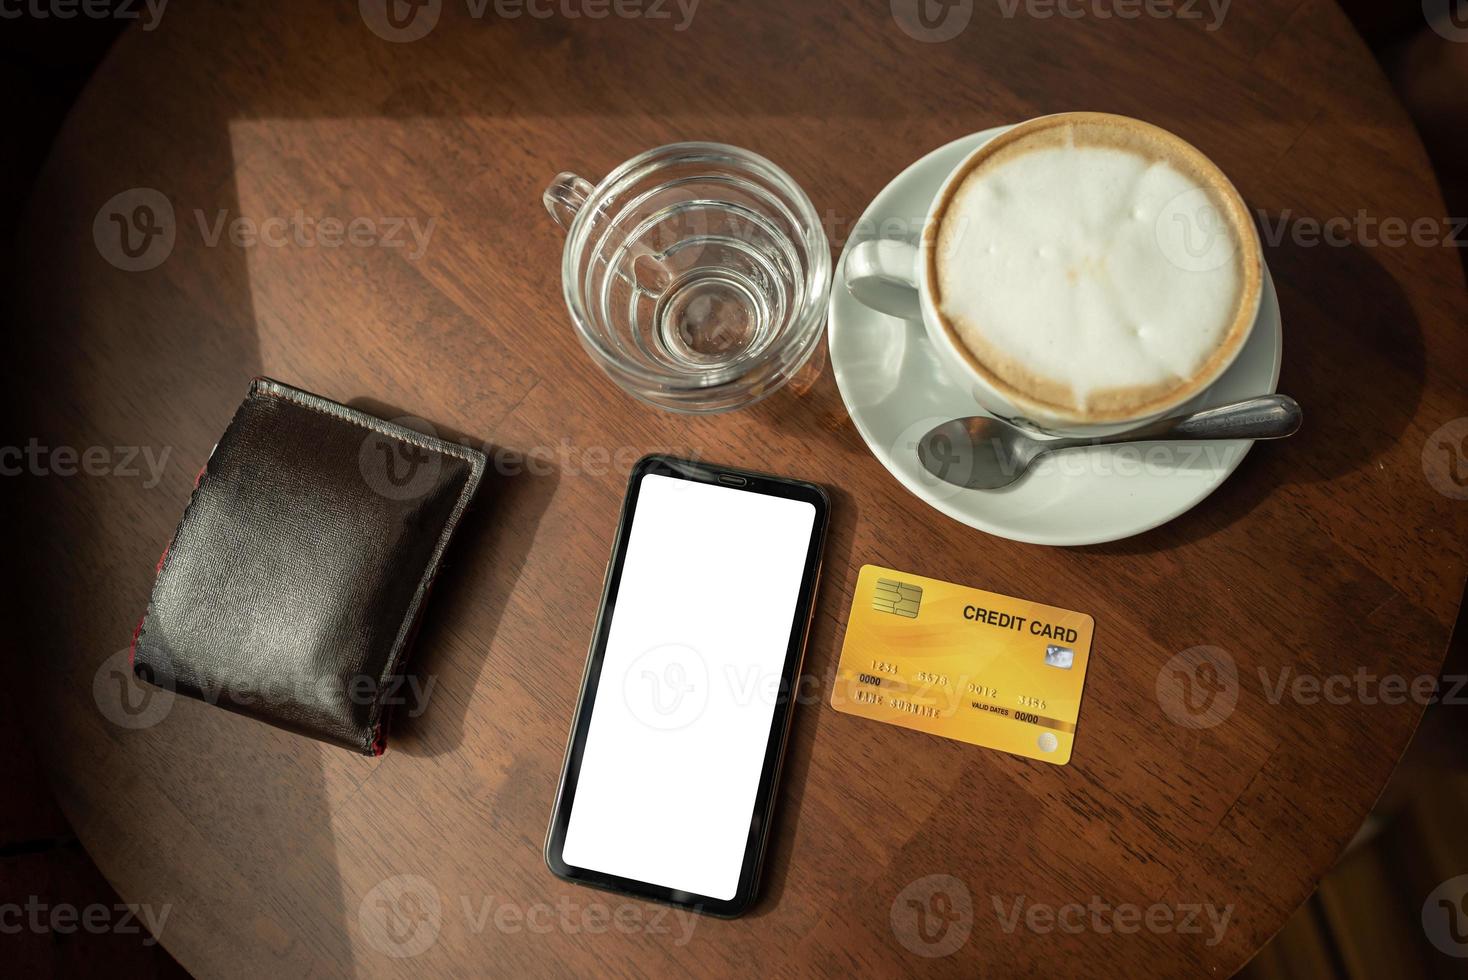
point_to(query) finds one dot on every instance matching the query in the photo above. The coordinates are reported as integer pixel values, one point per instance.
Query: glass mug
(697, 274)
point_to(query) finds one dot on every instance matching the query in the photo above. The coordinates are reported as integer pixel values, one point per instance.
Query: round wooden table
(271, 130)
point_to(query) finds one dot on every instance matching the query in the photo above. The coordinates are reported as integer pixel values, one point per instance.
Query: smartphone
(674, 756)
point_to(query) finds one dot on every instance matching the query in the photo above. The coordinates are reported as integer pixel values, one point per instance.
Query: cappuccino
(1094, 266)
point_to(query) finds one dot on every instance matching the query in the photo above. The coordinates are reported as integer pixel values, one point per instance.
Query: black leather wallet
(295, 581)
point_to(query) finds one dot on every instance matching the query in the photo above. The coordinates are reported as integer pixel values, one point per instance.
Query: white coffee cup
(898, 277)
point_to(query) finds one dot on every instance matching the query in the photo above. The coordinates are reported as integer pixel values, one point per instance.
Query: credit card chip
(898, 598)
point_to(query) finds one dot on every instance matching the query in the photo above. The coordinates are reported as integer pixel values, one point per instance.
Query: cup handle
(882, 274)
(565, 196)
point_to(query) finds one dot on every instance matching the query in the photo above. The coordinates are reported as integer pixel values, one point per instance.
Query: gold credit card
(963, 663)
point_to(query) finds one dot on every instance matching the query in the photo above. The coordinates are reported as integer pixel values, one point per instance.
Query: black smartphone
(674, 757)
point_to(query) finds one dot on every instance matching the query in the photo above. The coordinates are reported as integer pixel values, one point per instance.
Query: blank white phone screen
(698, 637)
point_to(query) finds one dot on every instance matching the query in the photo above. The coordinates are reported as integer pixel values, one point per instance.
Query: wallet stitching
(401, 433)
(476, 468)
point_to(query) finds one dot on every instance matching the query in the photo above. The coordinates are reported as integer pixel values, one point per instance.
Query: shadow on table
(135, 365)
(474, 584)
(1341, 309)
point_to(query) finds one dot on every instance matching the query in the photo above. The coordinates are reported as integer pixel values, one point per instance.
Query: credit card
(963, 663)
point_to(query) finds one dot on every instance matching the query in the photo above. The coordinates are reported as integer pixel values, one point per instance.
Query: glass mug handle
(565, 196)
(882, 274)
(564, 199)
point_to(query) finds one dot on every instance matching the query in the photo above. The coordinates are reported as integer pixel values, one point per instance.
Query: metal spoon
(982, 453)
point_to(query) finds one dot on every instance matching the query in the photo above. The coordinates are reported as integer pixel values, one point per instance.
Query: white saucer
(895, 391)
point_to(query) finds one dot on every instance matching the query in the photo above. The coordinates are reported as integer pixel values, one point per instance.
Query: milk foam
(1049, 261)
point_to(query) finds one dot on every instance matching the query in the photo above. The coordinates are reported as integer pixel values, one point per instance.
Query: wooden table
(1330, 555)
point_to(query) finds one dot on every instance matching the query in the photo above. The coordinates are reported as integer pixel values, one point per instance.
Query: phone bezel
(769, 781)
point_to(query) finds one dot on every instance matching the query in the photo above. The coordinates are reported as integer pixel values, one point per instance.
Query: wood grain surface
(1340, 552)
